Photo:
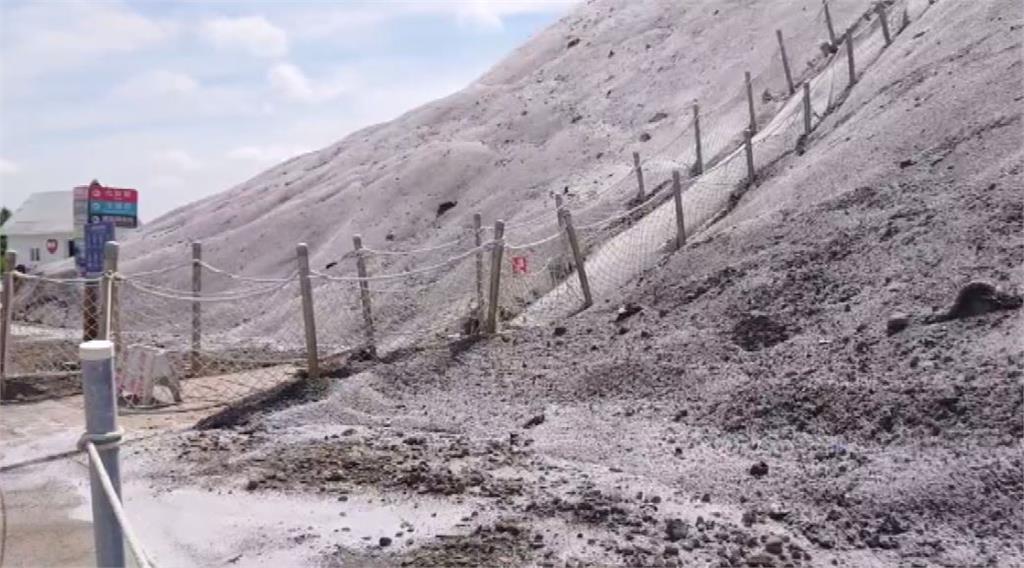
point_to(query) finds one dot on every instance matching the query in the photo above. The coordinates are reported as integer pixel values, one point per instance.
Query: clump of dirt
(502, 544)
(755, 332)
(34, 389)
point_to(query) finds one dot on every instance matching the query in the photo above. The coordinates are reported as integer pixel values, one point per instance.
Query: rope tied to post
(101, 441)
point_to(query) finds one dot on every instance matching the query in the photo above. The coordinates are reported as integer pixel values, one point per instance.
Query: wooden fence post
(195, 350)
(849, 55)
(828, 23)
(677, 194)
(807, 109)
(492, 300)
(748, 145)
(90, 310)
(478, 241)
(880, 9)
(698, 166)
(639, 176)
(308, 317)
(785, 63)
(109, 317)
(364, 293)
(750, 102)
(577, 257)
(7, 315)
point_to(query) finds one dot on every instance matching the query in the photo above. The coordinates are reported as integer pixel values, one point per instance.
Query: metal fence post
(492, 297)
(807, 109)
(750, 101)
(785, 63)
(828, 23)
(677, 194)
(639, 175)
(698, 166)
(7, 315)
(100, 394)
(195, 352)
(849, 55)
(309, 321)
(577, 258)
(364, 293)
(748, 146)
(880, 8)
(478, 237)
(110, 304)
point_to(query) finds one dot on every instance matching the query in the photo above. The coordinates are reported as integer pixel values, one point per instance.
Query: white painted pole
(100, 401)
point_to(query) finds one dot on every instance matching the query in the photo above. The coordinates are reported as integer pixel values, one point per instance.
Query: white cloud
(178, 159)
(253, 34)
(159, 83)
(8, 167)
(290, 82)
(43, 37)
(266, 154)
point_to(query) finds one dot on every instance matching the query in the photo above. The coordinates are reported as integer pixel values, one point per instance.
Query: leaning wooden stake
(785, 62)
(880, 8)
(308, 318)
(748, 145)
(698, 166)
(807, 109)
(6, 315)
(828, 23)
(478, 239)
(492, 298)
(677, 195)
(639, 176)
(750, 101)
(577, 257)
(195, 358)
(364, 294)
(849, 56)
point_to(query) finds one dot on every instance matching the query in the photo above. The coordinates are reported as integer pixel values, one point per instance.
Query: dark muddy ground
(800, 386)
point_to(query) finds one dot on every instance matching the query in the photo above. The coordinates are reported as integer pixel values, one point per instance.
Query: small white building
(42, 230)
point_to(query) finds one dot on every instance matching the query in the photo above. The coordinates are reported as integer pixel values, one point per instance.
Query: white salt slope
(546, 117)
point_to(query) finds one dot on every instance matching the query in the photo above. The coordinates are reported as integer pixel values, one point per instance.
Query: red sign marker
(519, 264)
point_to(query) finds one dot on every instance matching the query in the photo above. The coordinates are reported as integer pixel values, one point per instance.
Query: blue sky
(185, 99)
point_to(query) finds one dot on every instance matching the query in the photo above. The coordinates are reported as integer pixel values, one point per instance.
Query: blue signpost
(96, 236)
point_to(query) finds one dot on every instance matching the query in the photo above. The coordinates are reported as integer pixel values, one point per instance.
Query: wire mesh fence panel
(206, 347)
(48, 321)
(541, 269)
(432, 305)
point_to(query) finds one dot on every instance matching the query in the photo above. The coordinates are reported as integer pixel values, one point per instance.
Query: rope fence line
(203, 333)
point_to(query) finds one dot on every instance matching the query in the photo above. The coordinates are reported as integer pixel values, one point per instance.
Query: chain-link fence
(194, 334)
